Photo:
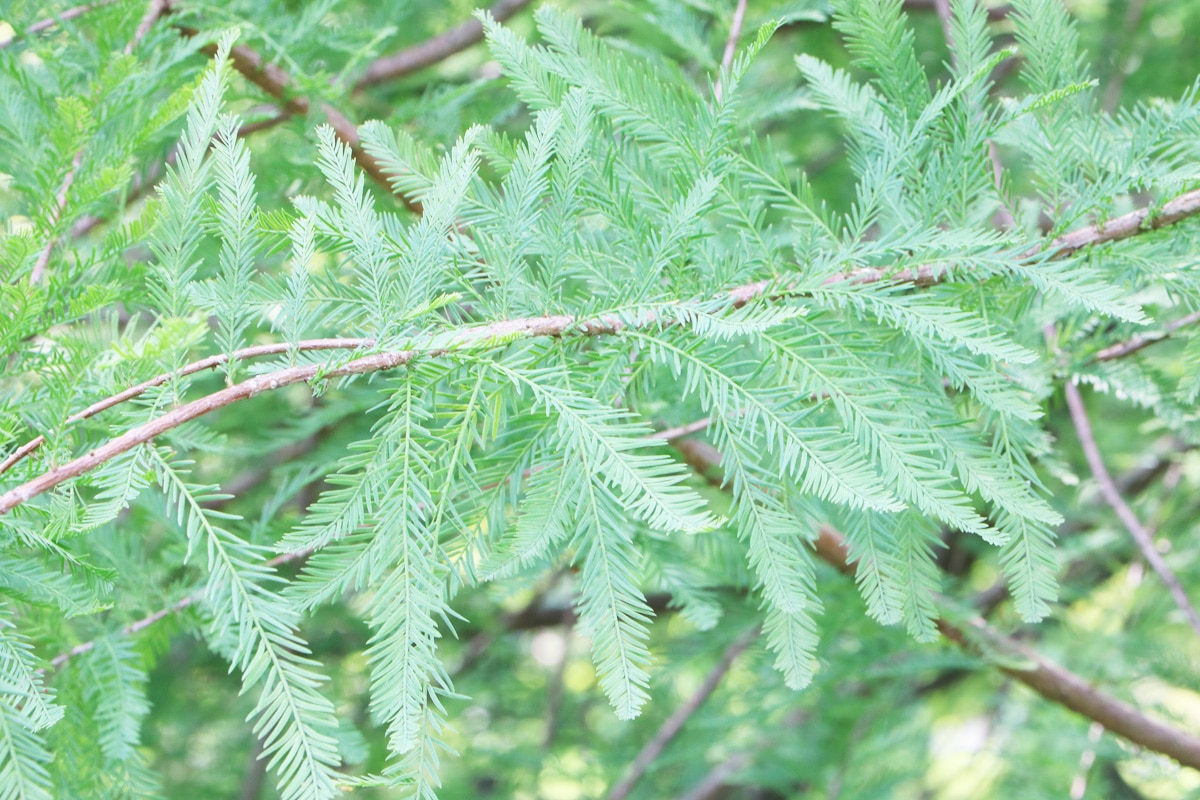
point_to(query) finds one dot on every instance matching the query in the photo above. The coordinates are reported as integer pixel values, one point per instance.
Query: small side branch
(279, 85)
(69, 14)
(60, 204)
(1051, 681)
(156, 10)
(435, 50)
(1141, 341)
(211, 362)
(1108, 489)
(735, 33)
(674, 724)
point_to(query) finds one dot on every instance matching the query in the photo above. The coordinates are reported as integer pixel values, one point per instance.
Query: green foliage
(550, 267)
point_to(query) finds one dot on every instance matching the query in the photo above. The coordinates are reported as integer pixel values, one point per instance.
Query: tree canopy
(642, 399)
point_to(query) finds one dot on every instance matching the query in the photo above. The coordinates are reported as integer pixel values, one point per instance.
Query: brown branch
(1145, 340)
(525, 327)
(140, 185)
(735, 33)
(995, 13)
(150, 619)
(211, 362)
(129, 630)
(1051, 681)
(21, 452)
(714, 784)
(60, 203)
(670, 729)
(154, 11)
(1048, 679)
(197, 408)
(1139, 221)
(50, 22)
(278, 84)
(679, 431)
(1108, 489)
(434, 50)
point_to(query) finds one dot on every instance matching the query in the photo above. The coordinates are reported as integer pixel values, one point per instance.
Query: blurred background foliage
(884, 717)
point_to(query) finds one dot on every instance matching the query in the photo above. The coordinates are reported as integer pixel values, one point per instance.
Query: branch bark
(68, 14)
(432, 51)
(674, 724)
(1135, 222)
(1108, 490)
(278, 84)
(1141, 341)
(1053, 682)
(735, 33)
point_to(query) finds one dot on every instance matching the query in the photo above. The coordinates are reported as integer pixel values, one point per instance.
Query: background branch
(674, 723)
(1108, 490)
(434, 50)
(735, 33)
(1051, 681)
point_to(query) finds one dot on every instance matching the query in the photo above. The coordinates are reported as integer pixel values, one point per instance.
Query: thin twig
(735, 33)
(21, 452)
(1145, 340)
(60, 203)
(182, 603)
(210, 362)
(154, 11)
(1053, 682)
(141, 183)
(670, 729)
(130, 629)
(679, 431)
(995, 13)
(1108, 489)
(713, 784)
(276, 82)
(435, 50)
(62, 16)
